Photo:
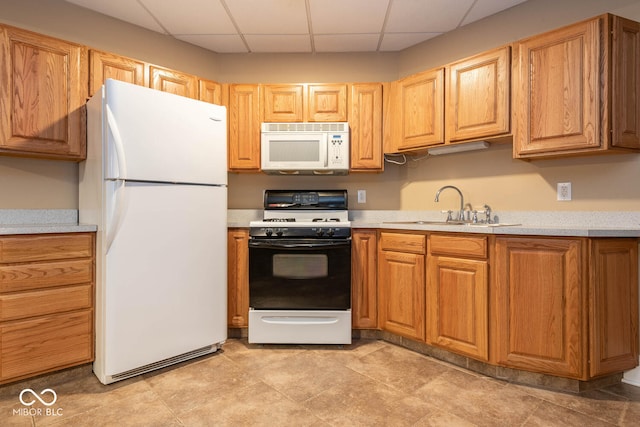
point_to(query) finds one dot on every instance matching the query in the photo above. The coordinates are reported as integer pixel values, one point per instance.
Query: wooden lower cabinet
(238, 278)
(46, 303)
(364, 257)
(401, 284)
(458, 294)
(566, 306)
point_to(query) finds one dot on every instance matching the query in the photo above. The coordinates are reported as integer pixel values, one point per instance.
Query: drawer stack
(46, 303)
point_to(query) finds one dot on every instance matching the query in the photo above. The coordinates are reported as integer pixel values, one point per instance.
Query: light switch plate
(362, 196)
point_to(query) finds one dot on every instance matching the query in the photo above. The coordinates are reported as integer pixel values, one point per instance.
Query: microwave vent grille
(306, 127)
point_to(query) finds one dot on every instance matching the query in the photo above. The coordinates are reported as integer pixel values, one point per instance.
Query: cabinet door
(283, 103)
(540, 305)
(43, 90)
(326, 103)
(557, 93)
(210, 92)
(244, 127)
(401, 301)
(457, 305)
(613, 290)
(364, 307)
(104, 65)
(478, 96)
(238, 278)
(420, 110)
(173, 82)
(625, 83)
(365, 122)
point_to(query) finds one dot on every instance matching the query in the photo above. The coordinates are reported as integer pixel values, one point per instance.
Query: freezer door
(158, 136)
(164, 290)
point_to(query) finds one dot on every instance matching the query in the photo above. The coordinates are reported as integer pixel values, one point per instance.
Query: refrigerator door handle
(119, 205)
(117, 143)
(215, 119)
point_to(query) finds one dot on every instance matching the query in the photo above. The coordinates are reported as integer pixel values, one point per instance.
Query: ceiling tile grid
(300, 26)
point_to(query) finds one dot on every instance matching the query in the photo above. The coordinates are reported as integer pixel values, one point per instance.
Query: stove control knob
(330, 232)
(319, 232)
(279, 233)
(268, 232)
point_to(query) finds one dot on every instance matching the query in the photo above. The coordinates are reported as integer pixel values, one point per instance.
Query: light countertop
(41, 221)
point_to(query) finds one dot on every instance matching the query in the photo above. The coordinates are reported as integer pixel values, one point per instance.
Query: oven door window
(300, 277)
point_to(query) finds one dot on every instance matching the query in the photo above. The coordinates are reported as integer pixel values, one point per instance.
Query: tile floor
(369, 383)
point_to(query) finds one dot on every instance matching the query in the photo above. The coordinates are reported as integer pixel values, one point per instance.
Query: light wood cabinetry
(326, 102)
(238, 278)
(458, 294)
(172, 81)
(540, 305)
(365, 122)
(364, 262)
(244, 127)
(401, 280)
(613, 305)
(283, 103)
(105, 65)
(576, 89)
(46, 303)
(43, 90)
(418, 106)
(478, 96)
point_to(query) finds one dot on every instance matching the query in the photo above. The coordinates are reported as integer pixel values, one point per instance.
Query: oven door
(300, 274)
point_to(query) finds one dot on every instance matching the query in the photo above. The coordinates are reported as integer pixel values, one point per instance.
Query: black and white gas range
(300, 269)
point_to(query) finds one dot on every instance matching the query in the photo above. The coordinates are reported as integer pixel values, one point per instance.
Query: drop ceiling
(300, 26)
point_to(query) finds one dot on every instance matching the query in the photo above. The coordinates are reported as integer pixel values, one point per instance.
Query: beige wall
(491, 176)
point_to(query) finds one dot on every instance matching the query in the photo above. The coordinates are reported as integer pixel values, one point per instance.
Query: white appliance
(155, 183)
(305, 148)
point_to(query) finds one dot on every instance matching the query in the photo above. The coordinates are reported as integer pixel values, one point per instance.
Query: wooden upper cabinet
(478, 96)
(365, 122)
(326, 103)
(244, 127)
(283, 103)
(420, 111)
(104, 65)
(211, 92)
(173, 81)
(569, 82)
(43, 90)
(625, 83)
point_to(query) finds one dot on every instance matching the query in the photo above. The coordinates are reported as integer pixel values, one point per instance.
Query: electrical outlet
(564, 191)
(362, 196)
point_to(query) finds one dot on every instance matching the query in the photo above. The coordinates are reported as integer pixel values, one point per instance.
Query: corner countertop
(41, 221)
(531, 223)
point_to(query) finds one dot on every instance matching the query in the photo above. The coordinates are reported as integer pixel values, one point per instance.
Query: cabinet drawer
(413, 243)
(45, 247)
(466, 246)
(42, 275)
(36, 346)
(50, 301)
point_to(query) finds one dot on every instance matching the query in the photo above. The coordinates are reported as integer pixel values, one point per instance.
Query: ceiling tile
(269, 17)
(272, 43)
(414, 16)
(347, 16)
(483, 8)
(392, 42)
(125, 10)
(192, 17)
(346, 42)
(216, 43)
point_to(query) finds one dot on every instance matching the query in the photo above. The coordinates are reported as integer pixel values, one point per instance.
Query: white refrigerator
(155, 183)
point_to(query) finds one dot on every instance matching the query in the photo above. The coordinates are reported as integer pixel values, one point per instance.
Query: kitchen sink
(461, 223)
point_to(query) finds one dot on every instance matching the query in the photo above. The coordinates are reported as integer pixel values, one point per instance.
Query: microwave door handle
(325, 153)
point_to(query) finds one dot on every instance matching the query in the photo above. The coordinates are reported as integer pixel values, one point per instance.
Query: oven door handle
(307, 244)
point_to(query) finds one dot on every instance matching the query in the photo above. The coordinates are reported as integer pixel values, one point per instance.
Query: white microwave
(305, 148)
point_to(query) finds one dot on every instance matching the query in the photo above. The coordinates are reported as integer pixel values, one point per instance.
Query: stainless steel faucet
(461, 212)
